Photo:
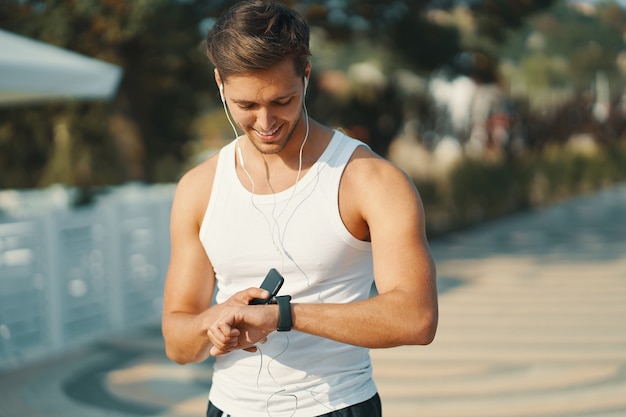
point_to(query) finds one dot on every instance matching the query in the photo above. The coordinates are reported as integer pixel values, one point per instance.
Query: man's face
(267, 105)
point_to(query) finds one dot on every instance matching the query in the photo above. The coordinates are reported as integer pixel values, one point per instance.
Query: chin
(269, 148)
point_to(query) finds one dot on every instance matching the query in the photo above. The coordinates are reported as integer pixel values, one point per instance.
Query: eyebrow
(246, 102)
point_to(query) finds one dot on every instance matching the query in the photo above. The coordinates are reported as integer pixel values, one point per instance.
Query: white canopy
(32, 71)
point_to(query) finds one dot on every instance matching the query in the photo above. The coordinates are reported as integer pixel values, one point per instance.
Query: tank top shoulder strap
(224, 174)
(339, 153)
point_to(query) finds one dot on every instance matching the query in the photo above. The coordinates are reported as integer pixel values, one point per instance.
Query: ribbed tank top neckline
(287, 193)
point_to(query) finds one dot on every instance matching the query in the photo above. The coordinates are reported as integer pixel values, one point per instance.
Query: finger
(227, 330)
(257, 293)
(215, 351)
(223, 336)
(217, 340)
(244, 297)
(221, 347)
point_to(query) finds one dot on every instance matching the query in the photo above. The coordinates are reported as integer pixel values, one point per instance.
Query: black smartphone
(272, 283)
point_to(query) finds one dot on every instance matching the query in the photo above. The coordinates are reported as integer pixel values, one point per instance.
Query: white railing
(69, 275)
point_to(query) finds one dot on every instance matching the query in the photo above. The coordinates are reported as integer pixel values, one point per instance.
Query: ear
(220, 84)
(307, 71)
(307, 75)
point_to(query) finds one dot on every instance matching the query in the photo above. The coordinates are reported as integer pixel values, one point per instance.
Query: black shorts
(368, 408)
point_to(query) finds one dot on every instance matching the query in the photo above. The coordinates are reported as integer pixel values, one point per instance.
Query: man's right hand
(242, 326)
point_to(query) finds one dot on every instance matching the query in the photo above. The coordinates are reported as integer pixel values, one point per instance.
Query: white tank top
(300, 233)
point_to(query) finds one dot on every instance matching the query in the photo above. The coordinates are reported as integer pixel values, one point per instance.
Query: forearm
(186, 339)
(387, 320)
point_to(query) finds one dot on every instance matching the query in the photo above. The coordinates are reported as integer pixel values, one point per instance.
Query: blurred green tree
(166, 79)
(143, 133)
(566, 48)
(419, 35)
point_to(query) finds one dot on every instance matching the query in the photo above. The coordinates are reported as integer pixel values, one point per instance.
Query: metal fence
(69, 275)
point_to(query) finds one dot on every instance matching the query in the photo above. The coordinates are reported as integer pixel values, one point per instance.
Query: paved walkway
(532, 324)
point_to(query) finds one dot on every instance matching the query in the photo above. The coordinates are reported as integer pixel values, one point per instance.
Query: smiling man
(294, 196)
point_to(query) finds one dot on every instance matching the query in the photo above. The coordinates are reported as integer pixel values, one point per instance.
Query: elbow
(428, 335)
(415, 325)
(424, 330)
(179, 352)
(175, 356)
(181, 357)
(171, 352)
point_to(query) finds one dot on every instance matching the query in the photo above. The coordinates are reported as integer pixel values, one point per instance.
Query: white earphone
(221, 88)
(275, 225)
(276, 230)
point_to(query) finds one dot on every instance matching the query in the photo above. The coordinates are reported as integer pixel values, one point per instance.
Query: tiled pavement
(532, 324)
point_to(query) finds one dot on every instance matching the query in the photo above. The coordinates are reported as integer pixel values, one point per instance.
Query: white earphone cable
(275, 230)
(275, 226)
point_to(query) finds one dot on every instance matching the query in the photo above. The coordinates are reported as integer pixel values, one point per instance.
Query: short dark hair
(255, 35)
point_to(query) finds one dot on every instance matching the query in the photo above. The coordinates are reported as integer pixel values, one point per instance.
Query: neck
(286, 156)
(277, 170)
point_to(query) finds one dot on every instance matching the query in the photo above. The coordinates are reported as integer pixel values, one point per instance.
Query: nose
(265, 119)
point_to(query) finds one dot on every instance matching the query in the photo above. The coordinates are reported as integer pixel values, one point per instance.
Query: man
(320, 208)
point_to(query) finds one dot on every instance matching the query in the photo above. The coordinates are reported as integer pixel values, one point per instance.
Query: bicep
(395, 216)
(190, 279)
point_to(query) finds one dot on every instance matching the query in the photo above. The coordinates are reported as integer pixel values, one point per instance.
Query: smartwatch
(285, 323)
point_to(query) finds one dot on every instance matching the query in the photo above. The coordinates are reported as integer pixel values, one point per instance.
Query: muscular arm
(379, 202)
(190, 281)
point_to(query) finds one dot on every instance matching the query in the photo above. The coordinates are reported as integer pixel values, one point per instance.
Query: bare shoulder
(194, 188)
(368, 170)
(376, 194)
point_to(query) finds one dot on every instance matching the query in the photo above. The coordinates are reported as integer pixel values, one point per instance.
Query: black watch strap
(285, 323)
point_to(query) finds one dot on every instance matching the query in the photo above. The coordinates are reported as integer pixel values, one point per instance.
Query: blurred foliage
(480, 190)
(400, 26)
(559, 54)
(165, 82)
(497, 18)
(152, 129)
(145, 133)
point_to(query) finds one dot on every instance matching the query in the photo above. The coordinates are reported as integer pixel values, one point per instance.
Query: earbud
(306, 84)
(222, 93)
(240, 154)
(221, 87)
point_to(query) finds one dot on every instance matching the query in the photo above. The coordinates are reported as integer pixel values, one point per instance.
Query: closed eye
(283, 102)
(249, 105)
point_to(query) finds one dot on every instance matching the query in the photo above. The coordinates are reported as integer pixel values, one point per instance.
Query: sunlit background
(519, 90)
(493, 107)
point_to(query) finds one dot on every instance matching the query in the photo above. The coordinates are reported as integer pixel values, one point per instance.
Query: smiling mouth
(268, 135)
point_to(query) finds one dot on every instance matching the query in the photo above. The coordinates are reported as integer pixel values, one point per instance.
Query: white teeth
(268, 133)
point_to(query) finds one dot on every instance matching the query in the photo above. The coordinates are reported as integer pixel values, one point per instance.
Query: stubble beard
(273, 151)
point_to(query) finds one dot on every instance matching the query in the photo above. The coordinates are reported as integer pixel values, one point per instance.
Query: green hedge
(476, 191)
